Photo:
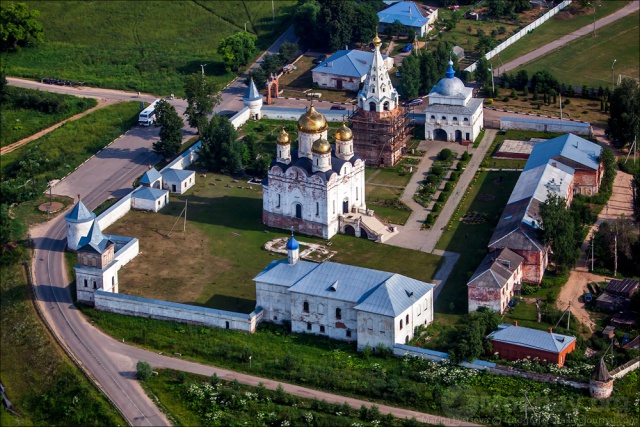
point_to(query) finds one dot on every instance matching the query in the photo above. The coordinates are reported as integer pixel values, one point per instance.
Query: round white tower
(344, 142)
(79, 222)
(293, 250)
(321, 155)
(312, 125)
(283, 143)
(253, 100)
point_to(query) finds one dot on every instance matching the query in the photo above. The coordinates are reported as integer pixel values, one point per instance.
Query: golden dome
(283, 138)
(321, 146)
(344, 133)
(376, 40)
(312, 122)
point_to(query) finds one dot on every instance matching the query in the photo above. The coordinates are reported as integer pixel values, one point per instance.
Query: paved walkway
(632, 7)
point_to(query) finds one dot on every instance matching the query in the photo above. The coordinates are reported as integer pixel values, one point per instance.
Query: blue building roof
(176, 175)
(150, 176)
(406, 12)
(94, 241)
(292, 244)
(531, 338)
(149, 193)
(80, 213)
(252, 93)
(569, 146)
(350, 63)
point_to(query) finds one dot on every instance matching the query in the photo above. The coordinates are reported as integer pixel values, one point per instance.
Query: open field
(19, 122)
(567, 21)
(587, 61)
(44, 386)
(470, 240)
(224, 242)
(145, 46)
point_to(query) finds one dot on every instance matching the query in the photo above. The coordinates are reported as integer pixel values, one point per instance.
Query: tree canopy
(410, 82)
(237, 50)
(543, 82)
(220, 150)
(559, 230)
(202, 97)
(624, 108)
(470, 342)
(170, 124)
(19, 26)
(482, 73)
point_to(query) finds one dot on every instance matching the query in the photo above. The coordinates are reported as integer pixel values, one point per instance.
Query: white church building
(343, 302)
(308, 189)
(453, 114)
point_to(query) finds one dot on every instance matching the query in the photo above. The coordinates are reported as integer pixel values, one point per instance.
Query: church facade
(308, 189)
(453, 114)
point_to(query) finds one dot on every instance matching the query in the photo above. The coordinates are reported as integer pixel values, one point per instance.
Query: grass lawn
(19, 122)
(567, 21)
(519, 135)
(525, 314)
(141, 46)
(225, 250)
(470, 240)
(389, 176)
(587, 61)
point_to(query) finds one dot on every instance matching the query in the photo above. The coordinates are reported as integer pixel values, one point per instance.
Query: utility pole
(245, 26)
(560, 94)
(615, 253)
(184, 225)
(594, 18)
(493, 88)
(592, 254)
(613, 83)
(569, 315)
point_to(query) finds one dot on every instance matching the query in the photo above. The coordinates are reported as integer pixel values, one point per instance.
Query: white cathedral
(309, 189)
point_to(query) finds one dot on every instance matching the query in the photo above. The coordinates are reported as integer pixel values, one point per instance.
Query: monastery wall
(541, 125)
(241, 117)
(164, 310)
(115, 212)
(293, 114)
(185, 159)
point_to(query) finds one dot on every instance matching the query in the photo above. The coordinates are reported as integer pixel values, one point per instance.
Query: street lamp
(245, 26)
(613, 84)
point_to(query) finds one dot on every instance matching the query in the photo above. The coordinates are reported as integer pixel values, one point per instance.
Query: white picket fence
(523, 32)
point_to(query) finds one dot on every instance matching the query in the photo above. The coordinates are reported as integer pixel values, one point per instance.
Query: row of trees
(423, 69)
(19, 26)
(271, 64)
(332, 24)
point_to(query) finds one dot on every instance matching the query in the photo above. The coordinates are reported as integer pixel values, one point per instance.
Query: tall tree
(558, 230)
(410, 80)
(170, 124)
(543, 81)
(485, 44)
(220, 150)
(202, 97)
(335, 23)
(429, 71)
(237, 50)
(482, 73)
(271, 63)
(4, 95)
(305, 22)
(287, 51)
(624, 107)
(366, 23)
(19, 26)
(521, 79)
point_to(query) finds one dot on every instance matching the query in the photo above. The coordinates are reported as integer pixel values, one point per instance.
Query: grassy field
(42, 383)
(587, 61)
(225, 250)
(145, 46)
(18, 122)
(470, 240)
(567, 21)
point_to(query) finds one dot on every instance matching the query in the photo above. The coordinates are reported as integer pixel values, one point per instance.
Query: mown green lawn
(470, 240)
(560, 25)
(18, 122)
(588, 60)
(147, 46)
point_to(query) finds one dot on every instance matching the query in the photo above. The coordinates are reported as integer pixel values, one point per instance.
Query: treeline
(45, 102)
(420, 71)
(329, 25)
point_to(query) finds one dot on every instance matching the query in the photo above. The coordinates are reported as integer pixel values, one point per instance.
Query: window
(94, 285)
(385, 106)
(317, 208)
(334, 206)
(338, 313)
(466, 120)
(86, 283)
(382, 328)
(400, 323)
(356, 193)
(322, 329)
(444, 117)
(278, 205)
(455, 119)
(158, 202)
(305, 307)
(348, 333)
(308, 326)
(433, 117)
(407, 321)
(113, 281)
(94, 263)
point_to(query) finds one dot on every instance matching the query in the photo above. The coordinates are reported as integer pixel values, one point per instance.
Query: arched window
(382, 328)
(95, 286)
(433, 117)
(407, 319)
(298, 210)
(455, 119)
(466, 120)
(320, 309)
(384, 88)
(338, 313)
(86, 283)
(321, 329)
(348, 334)
(385, 106)
(305, 307)
(444, 117)
(317, 208)
(400, 323)
(373, 89)
(278, 201)
(372, 106)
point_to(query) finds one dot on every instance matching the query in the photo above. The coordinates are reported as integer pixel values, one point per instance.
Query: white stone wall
(275, 302)
(451, 123)
(241, 117)
(403, 350)
(76, 231)
(322, 314)
(90, 280)
(149, 205)
(185, 159)
(163, 310)
(577, 128)
(181, 186)
(281, 113)
(115, 212)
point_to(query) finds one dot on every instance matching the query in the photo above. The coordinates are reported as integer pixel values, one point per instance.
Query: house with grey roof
(178, 180)
(513, 342)
(151, 178)
(346, 69)
(149, 199)
(344, 302)
(410, 15)
(495, 281)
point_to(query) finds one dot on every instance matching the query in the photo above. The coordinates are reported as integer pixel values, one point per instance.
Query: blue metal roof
(176, 175)
(252, 93)
(351, 63)
(149, 193)
(531, 338)
(284, 274)
(94, 240)
(80, 213)
(570, 146)
(292, 244)
(400, 12)
(150, 176)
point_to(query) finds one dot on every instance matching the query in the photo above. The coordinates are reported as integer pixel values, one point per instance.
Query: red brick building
(513, 342)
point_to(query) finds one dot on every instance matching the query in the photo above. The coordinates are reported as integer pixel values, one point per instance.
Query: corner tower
(253, 100)
(79, 222)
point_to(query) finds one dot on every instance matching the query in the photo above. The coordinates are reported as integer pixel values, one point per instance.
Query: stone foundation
(298, 225)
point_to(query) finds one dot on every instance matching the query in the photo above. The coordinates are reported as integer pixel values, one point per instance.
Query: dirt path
(619, 203)
(9, 148)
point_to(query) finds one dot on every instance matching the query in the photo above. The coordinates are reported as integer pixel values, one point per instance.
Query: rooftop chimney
(515, 323)
(550, 330)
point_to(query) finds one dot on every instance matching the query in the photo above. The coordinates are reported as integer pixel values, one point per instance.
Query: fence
(523, 32)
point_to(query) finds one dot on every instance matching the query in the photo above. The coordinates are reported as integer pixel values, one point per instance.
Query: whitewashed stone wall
(241, 117)
(322, 315)
(275, 301)
(541, 125)
(185, 159)
(281, 113)
(115, 212)
(164, 310)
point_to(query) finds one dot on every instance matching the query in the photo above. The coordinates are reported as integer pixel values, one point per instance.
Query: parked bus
(148, 115)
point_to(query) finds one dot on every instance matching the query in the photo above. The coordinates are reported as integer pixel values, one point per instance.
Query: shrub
(442, 197)
(525, 91)
(143, 370)
(505, 99)
(459, 166)
(455, 175)
(430, 220)
(432, 179)
(437, 170)
(567, 101)
(448, 187)
(436, 207)
(466, 156)
(445, 154)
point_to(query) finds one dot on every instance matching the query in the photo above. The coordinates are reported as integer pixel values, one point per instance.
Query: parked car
(337, 107)
(588, 297)
(625, 339)
(319, 59)
(414, 102)
(406, 48)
